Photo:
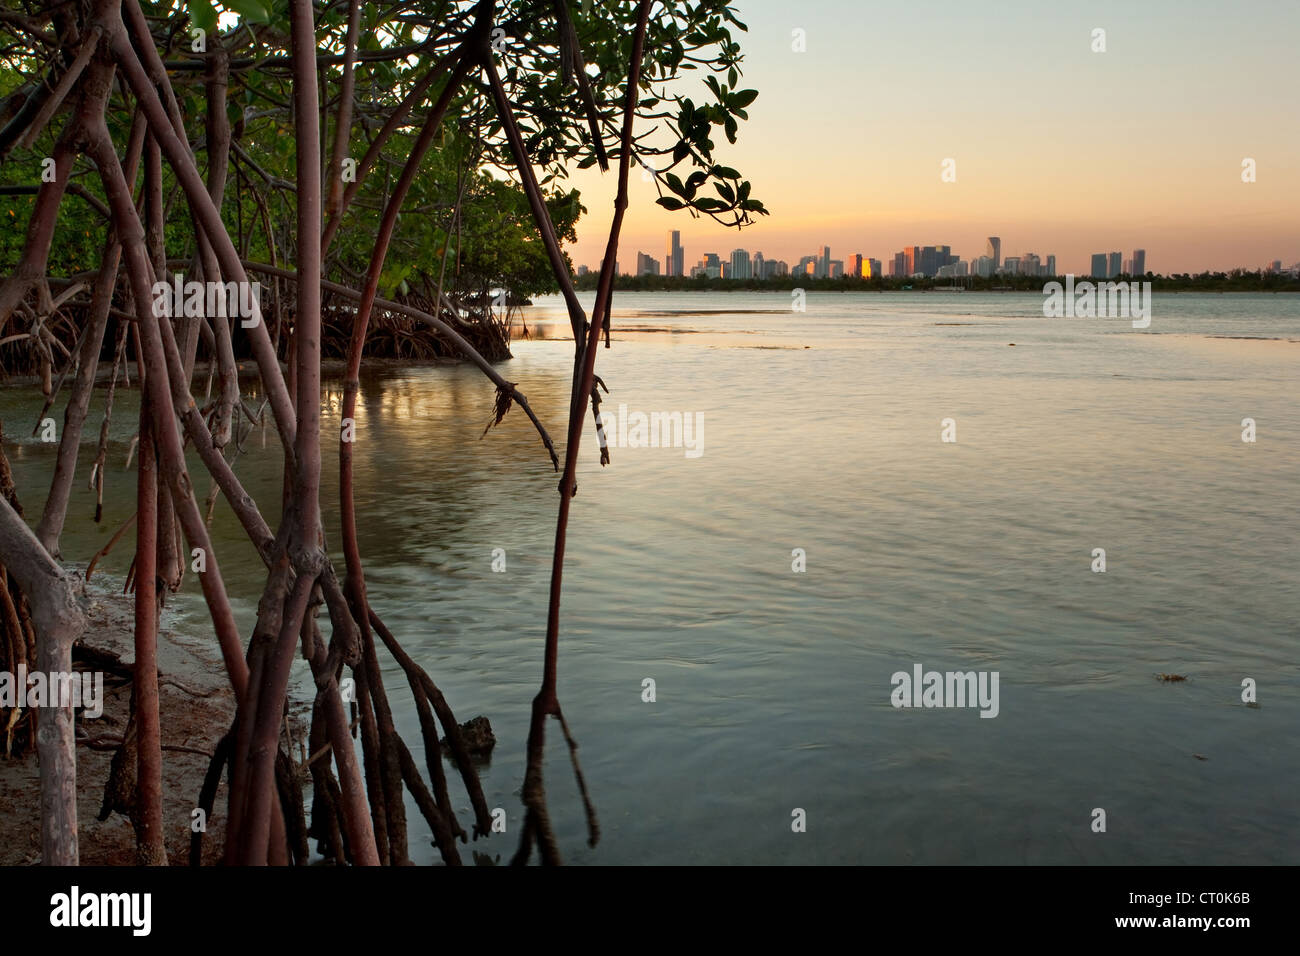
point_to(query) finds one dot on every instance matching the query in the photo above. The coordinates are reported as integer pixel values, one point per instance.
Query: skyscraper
(994, 252)
(740, 265)
(929, 264)
(1098, 270)
(1139, 262)
(673, 256)
(1051, 265)
(1113, 266)
(646, 265)
(824, 266)
(912, 256)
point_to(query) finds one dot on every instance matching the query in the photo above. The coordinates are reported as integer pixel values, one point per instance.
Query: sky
(1056, 148)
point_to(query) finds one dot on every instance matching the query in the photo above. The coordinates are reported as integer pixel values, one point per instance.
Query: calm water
(773, 687)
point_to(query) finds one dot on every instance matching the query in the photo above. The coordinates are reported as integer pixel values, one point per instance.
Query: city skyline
(1116, 261)
(934, 261)
(1162, 172)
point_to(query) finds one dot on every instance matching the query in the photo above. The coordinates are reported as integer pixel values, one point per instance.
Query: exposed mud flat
(196, 705)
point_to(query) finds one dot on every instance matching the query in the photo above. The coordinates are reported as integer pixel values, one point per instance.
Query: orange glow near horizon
(1075, 152)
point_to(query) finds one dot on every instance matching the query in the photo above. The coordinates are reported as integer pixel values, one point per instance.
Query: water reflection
(773, 687)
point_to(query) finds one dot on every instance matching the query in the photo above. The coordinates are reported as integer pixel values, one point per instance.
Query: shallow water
(773, 687)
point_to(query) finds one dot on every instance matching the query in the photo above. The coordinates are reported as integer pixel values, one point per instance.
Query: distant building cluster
(928, 261)
(911, 262)
(940, 262)
(743, 264)
(1109, 265)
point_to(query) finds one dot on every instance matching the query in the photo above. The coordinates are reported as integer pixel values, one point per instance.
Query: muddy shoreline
(197, 706)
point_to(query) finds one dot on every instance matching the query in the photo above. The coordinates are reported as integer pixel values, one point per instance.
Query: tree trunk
(147, 816)
(59, 621)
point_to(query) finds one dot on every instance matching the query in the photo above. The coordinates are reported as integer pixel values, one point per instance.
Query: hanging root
(537, 822)
(593, 825)
(505, 399)
(117, 536)
(602, 440)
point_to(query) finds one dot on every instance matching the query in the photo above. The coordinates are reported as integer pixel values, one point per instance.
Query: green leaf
(668, 202)
(742, 99)
(203, 15)
(253, 10)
